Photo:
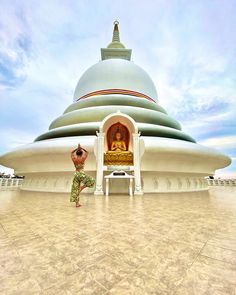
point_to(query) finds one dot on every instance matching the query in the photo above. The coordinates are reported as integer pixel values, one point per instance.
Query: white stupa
(116, 96)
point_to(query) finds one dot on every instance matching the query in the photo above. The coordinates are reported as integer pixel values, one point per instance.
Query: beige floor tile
(219, 253)
(224, 241)
(128, 255)
(169, 263)
(196, 283)
(47, 276)
(9, 283)
(82, 283)
(138, 284)
(109, 271)
(86, 257)
(212, 267)
(54, 290)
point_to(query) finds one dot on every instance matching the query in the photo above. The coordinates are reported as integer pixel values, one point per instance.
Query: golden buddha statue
(117, 153)
(118, 145)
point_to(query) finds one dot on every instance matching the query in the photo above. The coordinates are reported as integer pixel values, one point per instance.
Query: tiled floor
(155, 244)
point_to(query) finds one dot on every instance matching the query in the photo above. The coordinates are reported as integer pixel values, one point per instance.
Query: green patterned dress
(80, 178)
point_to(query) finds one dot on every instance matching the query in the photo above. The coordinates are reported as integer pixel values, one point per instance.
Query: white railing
(221, 182)
(10, 183)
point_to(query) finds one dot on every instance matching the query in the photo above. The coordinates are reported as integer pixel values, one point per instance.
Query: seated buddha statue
(118, 154)
(118, 145)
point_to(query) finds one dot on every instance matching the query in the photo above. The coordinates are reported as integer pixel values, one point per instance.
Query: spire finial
(116, 34)
(116, 49)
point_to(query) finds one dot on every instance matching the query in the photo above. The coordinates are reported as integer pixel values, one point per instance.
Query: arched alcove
(123, 119)
(127, 153)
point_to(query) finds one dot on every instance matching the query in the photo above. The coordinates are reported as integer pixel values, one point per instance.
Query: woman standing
(80, 180)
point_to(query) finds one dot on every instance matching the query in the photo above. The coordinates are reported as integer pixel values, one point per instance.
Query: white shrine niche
(135, 145)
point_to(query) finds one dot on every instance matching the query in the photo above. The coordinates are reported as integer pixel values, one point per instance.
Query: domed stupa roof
(118, 76)
(115, 74)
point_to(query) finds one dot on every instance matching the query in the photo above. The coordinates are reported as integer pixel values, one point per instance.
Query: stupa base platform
(168, 165)
(152, 183)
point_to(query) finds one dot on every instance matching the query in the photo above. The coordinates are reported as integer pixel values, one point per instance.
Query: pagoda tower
(116, 116)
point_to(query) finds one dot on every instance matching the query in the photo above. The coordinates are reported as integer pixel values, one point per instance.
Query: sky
(187, 47)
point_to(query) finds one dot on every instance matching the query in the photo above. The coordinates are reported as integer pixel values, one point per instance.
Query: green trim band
(97, 114)
(84, 129)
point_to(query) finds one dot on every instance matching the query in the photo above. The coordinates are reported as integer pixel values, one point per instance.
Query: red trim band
(116, 91)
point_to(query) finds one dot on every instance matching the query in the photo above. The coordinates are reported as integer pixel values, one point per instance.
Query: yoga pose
(80, 180)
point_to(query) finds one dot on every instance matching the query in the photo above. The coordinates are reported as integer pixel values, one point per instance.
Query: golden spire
(115, 49)
(116, 34)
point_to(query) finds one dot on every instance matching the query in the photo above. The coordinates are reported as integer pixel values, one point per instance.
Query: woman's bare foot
(78, 205)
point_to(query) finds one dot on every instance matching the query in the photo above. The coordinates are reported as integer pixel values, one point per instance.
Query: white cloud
(13, 138)
(226, 142)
